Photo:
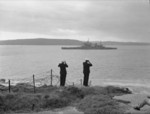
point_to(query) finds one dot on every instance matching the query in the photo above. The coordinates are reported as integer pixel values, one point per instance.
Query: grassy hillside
(91, 100)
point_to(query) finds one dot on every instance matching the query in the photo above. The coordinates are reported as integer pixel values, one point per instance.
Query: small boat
(90, 46)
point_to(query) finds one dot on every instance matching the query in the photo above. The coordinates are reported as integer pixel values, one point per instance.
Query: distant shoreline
(44, 41)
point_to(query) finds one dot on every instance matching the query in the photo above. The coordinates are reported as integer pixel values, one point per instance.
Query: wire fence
(39, 79)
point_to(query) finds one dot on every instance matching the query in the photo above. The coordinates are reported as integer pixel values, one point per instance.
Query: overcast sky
(115, 20)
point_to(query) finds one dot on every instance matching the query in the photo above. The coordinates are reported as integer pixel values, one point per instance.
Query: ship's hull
(88, 48)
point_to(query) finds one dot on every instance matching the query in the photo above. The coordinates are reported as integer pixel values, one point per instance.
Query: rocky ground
(135, 100)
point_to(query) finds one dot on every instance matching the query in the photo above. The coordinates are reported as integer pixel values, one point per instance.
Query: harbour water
(126, 66)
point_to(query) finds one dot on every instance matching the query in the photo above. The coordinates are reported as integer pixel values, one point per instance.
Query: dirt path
(67, 110)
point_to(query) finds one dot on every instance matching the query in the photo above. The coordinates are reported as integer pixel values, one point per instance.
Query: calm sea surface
(128, 65)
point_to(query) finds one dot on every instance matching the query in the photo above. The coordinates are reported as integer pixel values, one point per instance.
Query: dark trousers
(62, 79)
(86, 79)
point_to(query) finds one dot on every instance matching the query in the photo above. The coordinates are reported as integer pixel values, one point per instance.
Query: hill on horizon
(41, 41)
(44, 41)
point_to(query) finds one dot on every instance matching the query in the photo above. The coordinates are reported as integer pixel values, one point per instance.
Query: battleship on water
(90, 46)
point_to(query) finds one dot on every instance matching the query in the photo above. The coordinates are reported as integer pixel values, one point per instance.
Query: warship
(90, 46)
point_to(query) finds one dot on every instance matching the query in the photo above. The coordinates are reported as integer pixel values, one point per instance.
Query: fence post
(51, 77)
(90, 83)
(73, 83)
(9, 85)
(81, 81)
(34, 83)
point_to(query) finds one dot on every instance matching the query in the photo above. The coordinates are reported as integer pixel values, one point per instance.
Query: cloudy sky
(115, 20)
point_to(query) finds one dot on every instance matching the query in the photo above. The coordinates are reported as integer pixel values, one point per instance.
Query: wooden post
(34, 83)
(90, 83)
(51, 77)
(9, 86)
(73, 83)
(33, 105)
(81, 81)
